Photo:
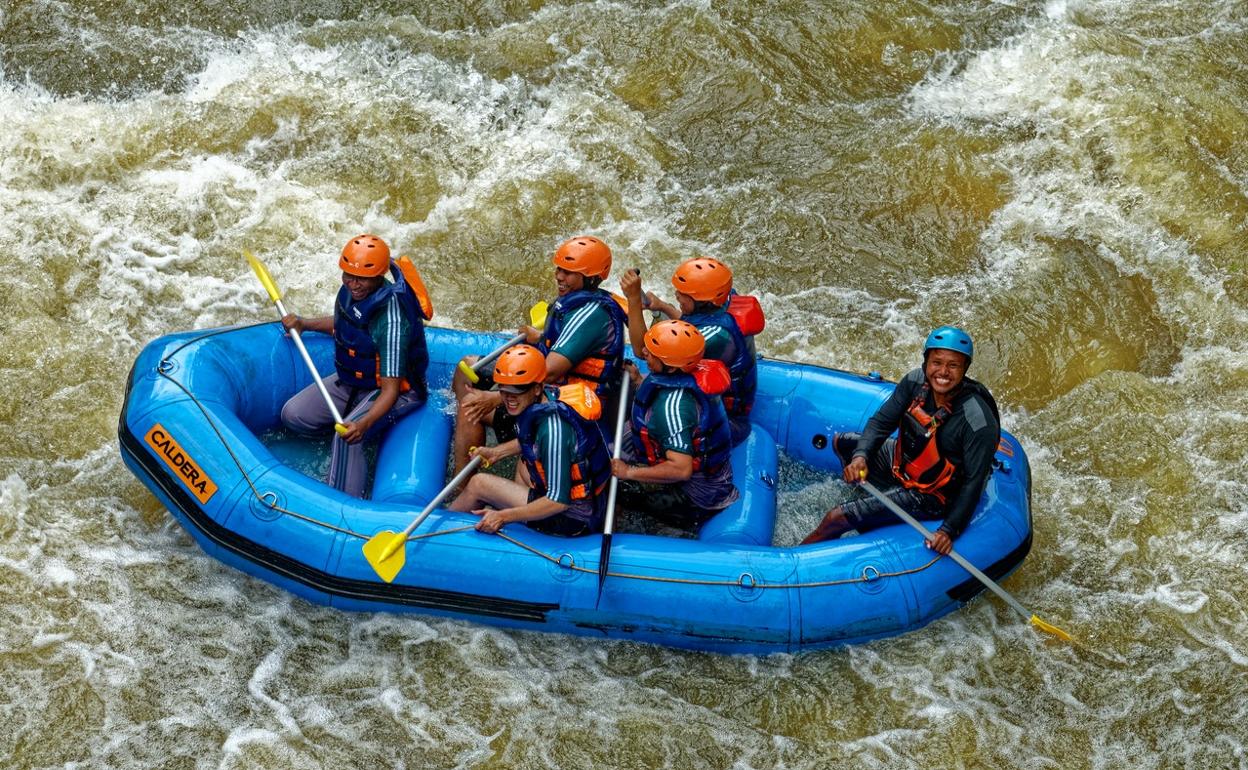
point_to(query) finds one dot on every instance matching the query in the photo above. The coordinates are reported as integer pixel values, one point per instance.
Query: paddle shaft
(625, 381)
(307, 359)
(498, 351)
(537, 316)
(604, 553)
(270, 286)
(957, 557)
(435, 502)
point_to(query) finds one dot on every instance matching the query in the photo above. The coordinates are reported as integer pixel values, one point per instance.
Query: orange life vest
(917, 462)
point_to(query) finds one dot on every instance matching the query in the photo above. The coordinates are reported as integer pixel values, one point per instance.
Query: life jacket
(356, 356)
(739, 399)
(591, 465)
(747, 312)
(600, 369)
(917, 462)
(712, 439)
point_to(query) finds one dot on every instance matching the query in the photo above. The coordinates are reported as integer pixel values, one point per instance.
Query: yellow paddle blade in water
(1050, 629)
(386, 554)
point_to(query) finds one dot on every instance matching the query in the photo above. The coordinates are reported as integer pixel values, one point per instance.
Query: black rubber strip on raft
(319, 580)
(968, 589)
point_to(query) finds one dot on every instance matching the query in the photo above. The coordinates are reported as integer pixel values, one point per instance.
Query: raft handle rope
(565, 560)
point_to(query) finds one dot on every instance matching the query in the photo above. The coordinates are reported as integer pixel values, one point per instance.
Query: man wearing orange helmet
(679, 433)
(560, 485)
(583, 342)
(380, 357)
(703, 289)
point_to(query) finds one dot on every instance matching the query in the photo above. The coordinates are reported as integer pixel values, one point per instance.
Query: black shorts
(558, 524)
(504, 425)
(867, 513)
(668, 503)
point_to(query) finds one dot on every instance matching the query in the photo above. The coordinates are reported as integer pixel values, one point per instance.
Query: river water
(1067, 180)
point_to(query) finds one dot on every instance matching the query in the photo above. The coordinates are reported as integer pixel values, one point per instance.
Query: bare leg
(459, 382)
(487, 489)
(834, 524)
(468, 433)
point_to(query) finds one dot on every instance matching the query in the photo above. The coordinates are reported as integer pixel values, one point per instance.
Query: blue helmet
(950, 338)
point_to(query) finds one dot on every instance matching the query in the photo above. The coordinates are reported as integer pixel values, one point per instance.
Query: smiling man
(559, 485)
(948, 428)
(583, 342)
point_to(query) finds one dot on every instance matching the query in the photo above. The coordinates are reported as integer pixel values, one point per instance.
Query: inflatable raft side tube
(751, 520)
(411, 461)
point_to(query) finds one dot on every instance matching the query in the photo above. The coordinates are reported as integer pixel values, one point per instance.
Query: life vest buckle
(927, 422)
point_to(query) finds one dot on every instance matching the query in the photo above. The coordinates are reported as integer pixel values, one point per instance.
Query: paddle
(605, 554)
(966, 565)
(537, 315)
(266, 280)
(385, 551)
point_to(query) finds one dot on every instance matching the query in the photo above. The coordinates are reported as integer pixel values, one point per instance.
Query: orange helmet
(520, 365)
(676, 343)
(366, 256)
(584, 254)
(704, 278)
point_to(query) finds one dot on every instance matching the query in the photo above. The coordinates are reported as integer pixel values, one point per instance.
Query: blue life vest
(356, 357)
(739, 399)
(712, 439)
(591, 465)
(599, 370)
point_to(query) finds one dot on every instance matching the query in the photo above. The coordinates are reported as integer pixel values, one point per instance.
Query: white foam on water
(48, 640)
(281, 667)
(268, 669)
(239, 739)
(842, 327)
(1071, 100)
(233, 67)
(14, 501)
(58, 573)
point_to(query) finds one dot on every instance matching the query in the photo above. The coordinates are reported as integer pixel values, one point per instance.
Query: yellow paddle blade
(469, 372)
(386, 554)
(537, 314)
(1050, 629)
(262, 273)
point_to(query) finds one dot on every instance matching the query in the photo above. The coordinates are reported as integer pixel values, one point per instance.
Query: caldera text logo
(186, 469)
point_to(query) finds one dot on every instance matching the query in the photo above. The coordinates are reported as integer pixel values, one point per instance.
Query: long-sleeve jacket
(967, 439)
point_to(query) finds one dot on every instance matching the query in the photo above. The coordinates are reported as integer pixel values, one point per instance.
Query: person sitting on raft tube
(583, 342)
(678, 431)
(948, 429)
(560, 487)
(380, 357)
(705, 299)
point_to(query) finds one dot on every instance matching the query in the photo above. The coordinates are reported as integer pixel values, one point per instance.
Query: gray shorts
(306, 413)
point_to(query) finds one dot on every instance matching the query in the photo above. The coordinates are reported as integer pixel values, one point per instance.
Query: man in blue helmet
(948, 428)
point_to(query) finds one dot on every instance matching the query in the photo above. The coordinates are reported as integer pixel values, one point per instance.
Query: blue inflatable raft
(197, 402)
